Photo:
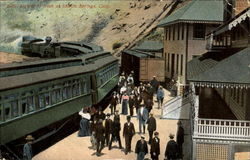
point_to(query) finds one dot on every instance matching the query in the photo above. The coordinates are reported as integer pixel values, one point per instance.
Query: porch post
(247, 104)
(196, 110)
(231, 150)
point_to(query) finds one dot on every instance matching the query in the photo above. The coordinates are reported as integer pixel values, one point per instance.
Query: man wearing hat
(128, 133)
(141, 148)
(117, 116)
(113, 102)
(151, 127)
(100, 114)
(108, 125)
(100, 134)
(155, 147)
(155, 84)
(115, 131)
(130, 80)
(27, 148)
(142, 115)
(180, 138)
(171, 152)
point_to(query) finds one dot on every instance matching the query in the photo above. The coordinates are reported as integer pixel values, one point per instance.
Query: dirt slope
(100, 22)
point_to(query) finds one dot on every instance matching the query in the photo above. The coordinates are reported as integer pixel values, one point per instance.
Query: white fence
(223, 129)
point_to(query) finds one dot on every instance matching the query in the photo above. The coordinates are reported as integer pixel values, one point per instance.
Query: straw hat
(29, 138)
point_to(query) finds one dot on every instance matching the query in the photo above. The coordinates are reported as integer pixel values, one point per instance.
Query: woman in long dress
(125, 99)
(84, 123)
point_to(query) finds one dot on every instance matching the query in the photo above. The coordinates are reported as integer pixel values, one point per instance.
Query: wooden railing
(219, 129)
(222, 129)
(220, 42)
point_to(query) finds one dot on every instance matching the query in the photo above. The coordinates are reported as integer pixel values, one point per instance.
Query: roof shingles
(196, 10)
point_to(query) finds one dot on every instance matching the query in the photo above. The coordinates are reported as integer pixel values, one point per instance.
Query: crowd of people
(104, 131)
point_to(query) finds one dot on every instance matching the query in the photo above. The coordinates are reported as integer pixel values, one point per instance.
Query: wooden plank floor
(78, 148)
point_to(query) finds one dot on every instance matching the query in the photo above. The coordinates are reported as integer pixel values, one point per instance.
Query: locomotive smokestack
(48, 40)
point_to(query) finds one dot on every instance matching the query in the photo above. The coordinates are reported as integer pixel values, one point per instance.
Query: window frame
(199, 33)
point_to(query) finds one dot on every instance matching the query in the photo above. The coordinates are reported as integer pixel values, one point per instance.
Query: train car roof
(82, 46)
(47, 75)
(36, 62)
(49, 61)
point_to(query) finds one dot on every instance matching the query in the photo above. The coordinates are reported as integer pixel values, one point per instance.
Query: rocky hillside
(112, 24)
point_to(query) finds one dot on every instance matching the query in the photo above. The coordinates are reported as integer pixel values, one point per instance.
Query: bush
(117, 45)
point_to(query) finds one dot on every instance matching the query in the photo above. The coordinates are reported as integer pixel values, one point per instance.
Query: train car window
(41, 100)
(84, 87)
(69, 91)
(47, 99)
(24, 106)
(58, 95)
(14, 106)
(7, 107)
(31, 103)
(75, 88)
(11, 105)
(64, 95)
(53, 97)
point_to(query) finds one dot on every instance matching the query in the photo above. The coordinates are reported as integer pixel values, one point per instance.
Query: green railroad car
(36, 94)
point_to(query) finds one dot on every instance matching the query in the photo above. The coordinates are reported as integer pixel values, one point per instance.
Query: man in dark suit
(100, 134)
(142, 115)
(155, 147)
(113, 102)
(128, 133)
(180, 138)
(108, 124)
(171, 149)
(151, 127)
(100, 115)
(141, 148)
(131, 103)
(115, 131)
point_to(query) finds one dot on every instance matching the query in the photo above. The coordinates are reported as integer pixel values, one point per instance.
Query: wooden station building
(220, 81)
(145, 60)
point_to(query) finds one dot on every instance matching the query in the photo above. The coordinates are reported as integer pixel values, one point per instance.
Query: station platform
(79, 148)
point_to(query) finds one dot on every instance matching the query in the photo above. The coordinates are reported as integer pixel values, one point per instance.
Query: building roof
(208, 11)
(233, 22)
(138, 53)
(234, 70)
(150, 46)
(198, 65)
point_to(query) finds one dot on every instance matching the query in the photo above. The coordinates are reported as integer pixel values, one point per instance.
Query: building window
(168, 61)
(174, 32)
(166, 34)
(177, 64)
(182, 31)
(169, 33)
(181, 64)
(1, 116)
(199, 31)
(178, 31)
